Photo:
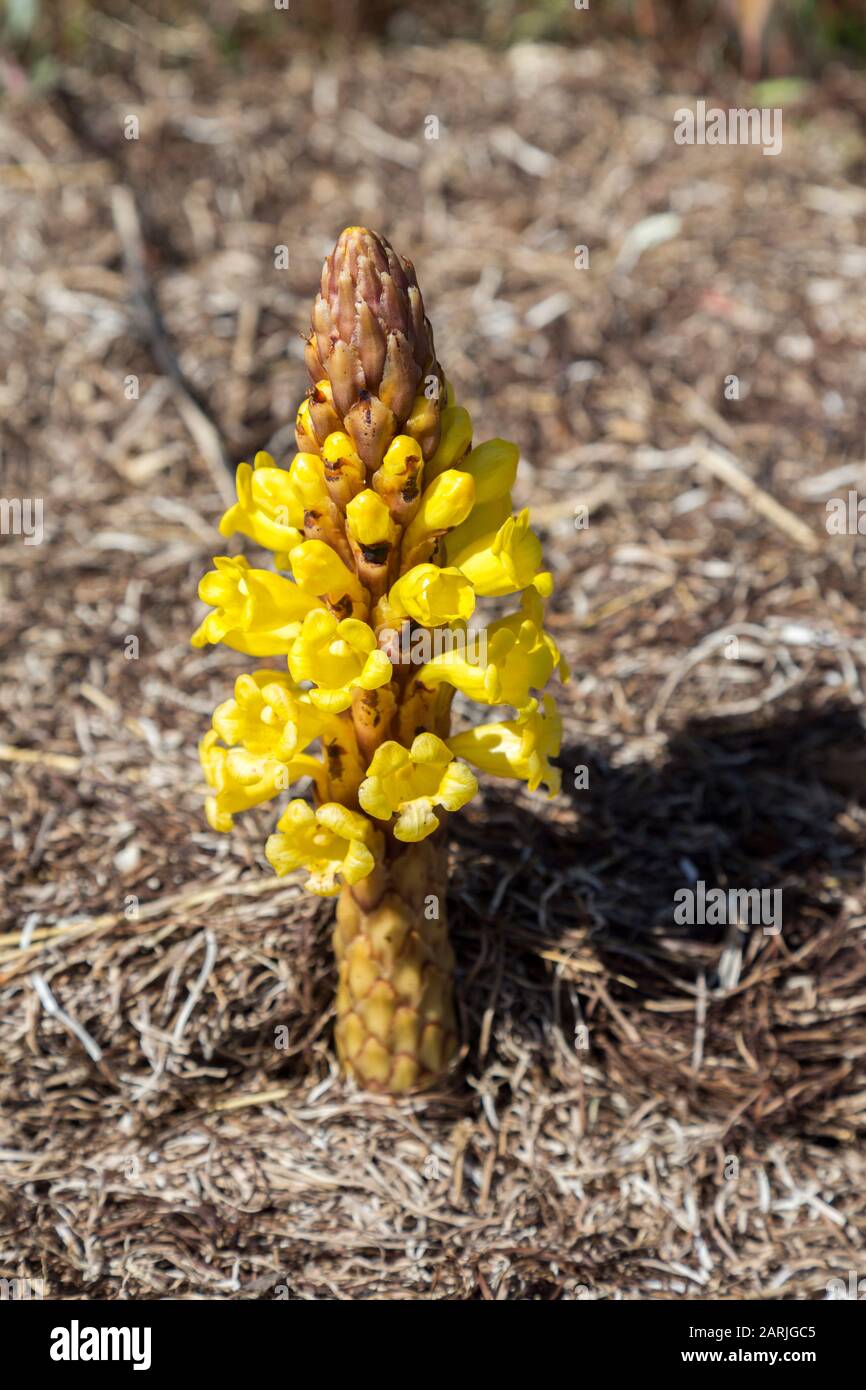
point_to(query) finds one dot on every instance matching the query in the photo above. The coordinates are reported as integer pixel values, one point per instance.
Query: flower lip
(432, 595)
(519, 747)
(337, 656)
(410, 782)
(254, 611)
(331, 842)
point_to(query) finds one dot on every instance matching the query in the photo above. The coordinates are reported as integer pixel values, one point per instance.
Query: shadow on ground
(582, 942)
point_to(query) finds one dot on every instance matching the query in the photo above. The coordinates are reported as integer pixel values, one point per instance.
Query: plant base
(396, 1029)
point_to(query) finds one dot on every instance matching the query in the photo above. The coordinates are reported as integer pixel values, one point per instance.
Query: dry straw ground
(157, 1142)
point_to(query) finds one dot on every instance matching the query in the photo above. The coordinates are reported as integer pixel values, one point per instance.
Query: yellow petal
(493, 466)
(454, 440)
(307, 474)
(416, 821)
(433, 596)
(388, 758)
(428, 748)
(349, 825)
(369, 519)
(458, 786)
(377, 671)
(478, 530)
(358, 863)
(319, 570)
(372, 798)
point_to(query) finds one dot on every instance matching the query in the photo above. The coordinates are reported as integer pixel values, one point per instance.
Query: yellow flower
(493, 467)
(411, 782)
(454, 440)
(255, 611)
(337, 656)
(304, 431)
(432, 596)
(517, 747)
(521, 657)
(398, 480)
(446, 502)
(401, 458)
(270, 715)
(241, 780)
(338, 447)
(343, 467)
(424, 416)
(476, 531)
(269, 509)
(368, 520)
(316, 417)
(319, 570)
(307, 476)
(507, 561)
(329, 842)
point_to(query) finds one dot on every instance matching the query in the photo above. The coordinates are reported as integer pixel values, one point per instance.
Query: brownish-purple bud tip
(372, 341)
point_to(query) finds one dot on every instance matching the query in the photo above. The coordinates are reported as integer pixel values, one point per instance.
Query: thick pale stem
(396, 1028)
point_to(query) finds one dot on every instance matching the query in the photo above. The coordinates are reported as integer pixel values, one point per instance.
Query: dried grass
(156, 1141)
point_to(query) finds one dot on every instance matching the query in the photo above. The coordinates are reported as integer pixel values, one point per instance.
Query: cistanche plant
(391, 526)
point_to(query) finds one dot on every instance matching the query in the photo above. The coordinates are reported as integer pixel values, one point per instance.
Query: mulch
(642, 1109)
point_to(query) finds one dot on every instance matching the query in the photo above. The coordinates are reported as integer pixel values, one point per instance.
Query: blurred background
(776, 37)
(676, 338)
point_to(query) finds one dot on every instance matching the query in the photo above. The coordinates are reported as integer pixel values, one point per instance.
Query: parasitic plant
(384, 531)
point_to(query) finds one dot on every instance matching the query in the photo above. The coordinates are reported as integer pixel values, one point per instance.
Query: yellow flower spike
(432, 596)
(241, 780)
(508, 562)
(411, 782)
(454, 440)
(446, 502)
(319, 570)
(331, 842)
(269, 509)
(517, 747)
(391, 526)
(255, 611)
(369, 520)
(338, 657)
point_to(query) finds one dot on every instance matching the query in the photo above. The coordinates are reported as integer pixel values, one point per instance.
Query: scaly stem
(396, 1029)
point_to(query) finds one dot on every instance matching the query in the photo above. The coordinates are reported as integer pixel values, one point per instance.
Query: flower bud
(432, 596)
(446, 502)
(319, 570)
(494, 467)
(369, 520)
(454, 441)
